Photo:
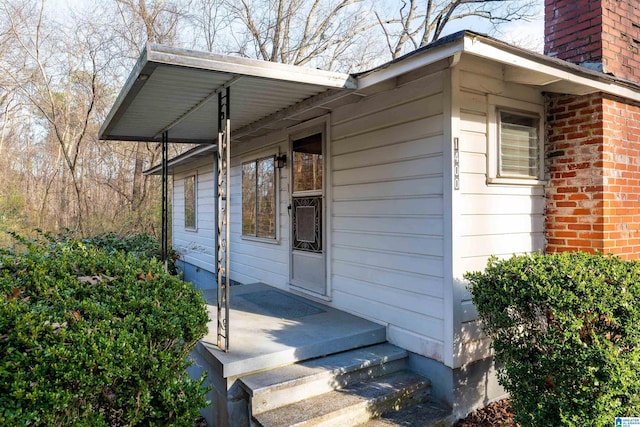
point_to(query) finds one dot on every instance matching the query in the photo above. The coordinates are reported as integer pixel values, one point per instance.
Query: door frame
(317, 125)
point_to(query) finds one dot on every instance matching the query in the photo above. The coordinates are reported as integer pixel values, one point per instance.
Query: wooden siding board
(423, 186)
(417, 303)
(384, 101)
(491, 225)
(390, 171)
(404, 150)
(502, 204)
(388, 207)
(473, 142)
(503, 244)
(473, 163)
(428, 128)
(392, 278)
(387, 210)
(400, 114)
(400, 243)
(417, 342)
(397, 316)
(492, 219)
(421, 226)
(410, 263)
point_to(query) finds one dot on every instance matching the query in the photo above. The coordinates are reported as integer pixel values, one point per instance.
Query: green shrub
(92, 337)
(566, 329)
(139, 244)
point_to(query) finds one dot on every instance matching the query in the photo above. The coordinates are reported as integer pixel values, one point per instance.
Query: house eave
(520, 66)
(547, 73)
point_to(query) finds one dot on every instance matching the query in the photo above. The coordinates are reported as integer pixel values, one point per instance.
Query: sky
(529, 35)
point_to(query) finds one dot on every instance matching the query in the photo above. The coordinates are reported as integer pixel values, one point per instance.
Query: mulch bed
(495, 414)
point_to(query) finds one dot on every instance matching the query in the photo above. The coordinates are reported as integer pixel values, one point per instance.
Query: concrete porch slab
(271, 328)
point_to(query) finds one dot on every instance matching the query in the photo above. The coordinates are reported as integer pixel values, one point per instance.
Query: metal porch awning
(178, 95)
(175, 90)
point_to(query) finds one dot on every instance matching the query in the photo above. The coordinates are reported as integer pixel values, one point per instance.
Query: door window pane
(307, 163)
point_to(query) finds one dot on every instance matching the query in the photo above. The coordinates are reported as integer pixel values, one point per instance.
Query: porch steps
(344, 389)
(424, 414)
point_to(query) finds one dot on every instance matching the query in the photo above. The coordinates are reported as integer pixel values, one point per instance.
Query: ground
(495, 414)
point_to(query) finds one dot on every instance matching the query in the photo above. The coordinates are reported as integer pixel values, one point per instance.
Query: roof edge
(500, 51)
(133, 83)
(181, 159)
(248, 67)
(482, 45)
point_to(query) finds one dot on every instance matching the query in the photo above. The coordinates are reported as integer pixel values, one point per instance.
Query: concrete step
(270, 328)
(424, 414)
(352, 405)
(278, 387)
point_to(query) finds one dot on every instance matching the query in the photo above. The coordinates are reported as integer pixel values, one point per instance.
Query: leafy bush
(139, 244)
(565, 328)
(91, 337)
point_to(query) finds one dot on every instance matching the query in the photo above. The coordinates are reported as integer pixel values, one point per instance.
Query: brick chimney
(599, 34)
(593, 141)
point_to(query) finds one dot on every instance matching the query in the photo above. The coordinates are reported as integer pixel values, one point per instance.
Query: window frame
(496, 106)
(193, 175)
(276, 198)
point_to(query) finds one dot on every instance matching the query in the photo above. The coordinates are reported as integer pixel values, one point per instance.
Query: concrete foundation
(463, 389)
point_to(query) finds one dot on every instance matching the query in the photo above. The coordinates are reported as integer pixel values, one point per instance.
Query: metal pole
(224, 203)
(165, 200)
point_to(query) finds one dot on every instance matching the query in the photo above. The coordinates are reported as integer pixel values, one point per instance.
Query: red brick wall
(597, 31)
(593, 166)
(572, 30)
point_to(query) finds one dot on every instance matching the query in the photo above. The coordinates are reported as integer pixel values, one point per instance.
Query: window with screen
(190, 202)
(259, 198)
(518, 145)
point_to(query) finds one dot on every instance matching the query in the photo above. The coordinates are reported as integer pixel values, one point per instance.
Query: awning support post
(224, 203)
(165, 200)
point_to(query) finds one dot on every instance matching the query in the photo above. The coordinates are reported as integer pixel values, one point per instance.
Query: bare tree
(154, 21)
(60, 72)
(416, 23)
(208, 19)
(300, 32)
(61, 88)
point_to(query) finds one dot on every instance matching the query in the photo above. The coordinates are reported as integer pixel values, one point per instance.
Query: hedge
(95, 337)
(566, 329)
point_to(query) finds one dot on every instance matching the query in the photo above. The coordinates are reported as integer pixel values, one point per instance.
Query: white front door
(307, 213)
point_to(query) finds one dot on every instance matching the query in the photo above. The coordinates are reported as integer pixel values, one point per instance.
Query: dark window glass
(190, 202)
(259, 198)
(307, 163)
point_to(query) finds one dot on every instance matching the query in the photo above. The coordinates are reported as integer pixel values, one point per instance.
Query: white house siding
(196, 247)
(489, 219)
(386, 205)
(253, 260)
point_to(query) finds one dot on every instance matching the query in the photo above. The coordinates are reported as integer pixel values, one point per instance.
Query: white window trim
(254, 156)
(193, 174)
(499, 103)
